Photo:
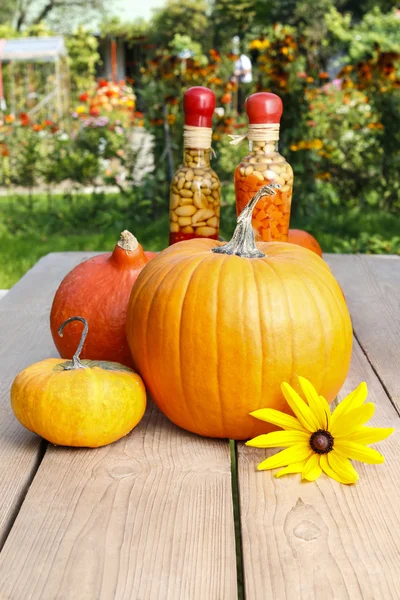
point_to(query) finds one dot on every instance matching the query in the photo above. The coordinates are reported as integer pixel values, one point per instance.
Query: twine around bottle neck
(258, 132)
(197, 137)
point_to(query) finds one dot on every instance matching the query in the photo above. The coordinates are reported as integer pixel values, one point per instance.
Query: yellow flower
(80, 109)
(317, 440)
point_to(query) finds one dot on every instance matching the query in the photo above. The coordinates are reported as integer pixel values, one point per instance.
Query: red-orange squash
(215, 329)
(302, 238)
(98, 290)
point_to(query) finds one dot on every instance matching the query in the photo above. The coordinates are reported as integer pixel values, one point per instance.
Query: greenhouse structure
(34, 77)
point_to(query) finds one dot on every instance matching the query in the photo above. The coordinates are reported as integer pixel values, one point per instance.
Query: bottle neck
(266, 147)
(196, 157)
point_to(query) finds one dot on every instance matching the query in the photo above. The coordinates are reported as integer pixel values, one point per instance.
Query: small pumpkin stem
(75, 363)
(243, 243)
(128, 242)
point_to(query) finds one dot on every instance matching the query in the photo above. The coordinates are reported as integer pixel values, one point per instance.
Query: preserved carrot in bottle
(195, 188)
(264, 165)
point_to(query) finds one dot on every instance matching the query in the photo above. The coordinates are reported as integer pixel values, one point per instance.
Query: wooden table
(152, 516)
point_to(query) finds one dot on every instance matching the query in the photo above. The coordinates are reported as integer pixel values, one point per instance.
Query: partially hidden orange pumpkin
(215, 329)
(98, 290)
(78, 403)
(302, 238)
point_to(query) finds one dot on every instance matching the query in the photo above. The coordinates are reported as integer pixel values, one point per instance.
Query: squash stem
(75, 363)
(243, 243)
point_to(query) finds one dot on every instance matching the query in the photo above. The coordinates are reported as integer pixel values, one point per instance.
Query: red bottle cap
(264, 107)
(198, 106)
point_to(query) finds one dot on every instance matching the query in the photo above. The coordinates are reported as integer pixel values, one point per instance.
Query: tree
(60, 14)
(186, 17)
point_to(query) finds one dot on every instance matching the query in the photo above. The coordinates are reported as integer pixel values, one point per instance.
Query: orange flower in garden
(37, 127)
(139, 115)
(226, 98)
(9, 118)
(4, 150)
(375, 126)
(215, 55)
(171, 119)
(310, 79)
(48, 123)
(84, 97)
(24, 119)
(215, 80)
(323, 75)
(102, 83)
(94, 112)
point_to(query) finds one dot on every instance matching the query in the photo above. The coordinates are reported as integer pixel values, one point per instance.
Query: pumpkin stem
(75, 363)
(243, 243)
(128, 242)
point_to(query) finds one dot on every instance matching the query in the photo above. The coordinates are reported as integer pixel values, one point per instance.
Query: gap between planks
(13, 513)
(150, 516)
(323, 539)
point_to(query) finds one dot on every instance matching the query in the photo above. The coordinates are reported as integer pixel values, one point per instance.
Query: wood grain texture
(325, 540)
(149, 517)
(372, 288)
(24, 338)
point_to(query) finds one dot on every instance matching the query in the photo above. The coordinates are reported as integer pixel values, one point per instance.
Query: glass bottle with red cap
(264, 165)
(195, 188)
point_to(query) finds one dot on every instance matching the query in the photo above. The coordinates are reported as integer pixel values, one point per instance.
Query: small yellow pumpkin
(78, 403)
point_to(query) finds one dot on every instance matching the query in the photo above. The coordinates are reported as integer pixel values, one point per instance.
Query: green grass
(29, 230)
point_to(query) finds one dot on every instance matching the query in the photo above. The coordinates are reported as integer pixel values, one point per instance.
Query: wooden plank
(148, 517)
(24, 338)
(325, 540)
(372, 288)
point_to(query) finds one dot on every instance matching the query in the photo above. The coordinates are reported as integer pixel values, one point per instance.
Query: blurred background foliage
(335, 64)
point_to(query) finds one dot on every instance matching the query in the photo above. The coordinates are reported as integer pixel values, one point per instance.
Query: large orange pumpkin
(98, 289)
(215, 329)
(302, 238)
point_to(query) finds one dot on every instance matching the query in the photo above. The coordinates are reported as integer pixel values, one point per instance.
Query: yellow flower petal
(359, 452)
(342, 466)
(313, 474)
(312, 470)
(300, 408)
(327, 410)
(286, 457)
(352, 420)
(323, 461)
(276, 417)
(370, 435)
(293, 468)
(315, 402)
(278, 439)
(355, 399)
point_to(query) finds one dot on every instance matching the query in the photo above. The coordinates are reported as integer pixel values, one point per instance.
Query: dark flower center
(321, 442)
